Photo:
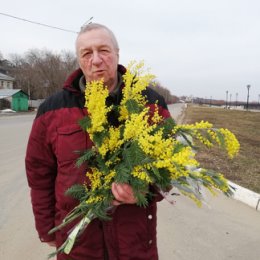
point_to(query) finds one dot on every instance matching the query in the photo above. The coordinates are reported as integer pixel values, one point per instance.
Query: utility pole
(236, 98)
(29, 94)
(247, 102)
(226, 99)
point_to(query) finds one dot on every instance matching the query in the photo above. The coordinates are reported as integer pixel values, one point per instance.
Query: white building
(6, 82)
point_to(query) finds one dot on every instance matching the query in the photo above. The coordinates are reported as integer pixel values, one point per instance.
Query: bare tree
(42, 72)
(169, 98)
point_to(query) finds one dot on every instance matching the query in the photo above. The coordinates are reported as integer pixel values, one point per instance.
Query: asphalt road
(224, 229)
(18, 239)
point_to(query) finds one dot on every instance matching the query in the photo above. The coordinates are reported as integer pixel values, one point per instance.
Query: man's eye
(86, 54)
(104, 50)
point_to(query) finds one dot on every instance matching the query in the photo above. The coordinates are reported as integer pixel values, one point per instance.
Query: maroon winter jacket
(51, 170)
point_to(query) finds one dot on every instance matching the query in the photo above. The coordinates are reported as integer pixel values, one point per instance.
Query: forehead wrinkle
(96, 40)
(82, 49)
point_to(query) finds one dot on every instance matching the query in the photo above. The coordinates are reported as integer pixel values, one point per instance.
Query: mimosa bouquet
(143, 150)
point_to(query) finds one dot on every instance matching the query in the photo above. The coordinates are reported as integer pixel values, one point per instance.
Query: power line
(42, 24)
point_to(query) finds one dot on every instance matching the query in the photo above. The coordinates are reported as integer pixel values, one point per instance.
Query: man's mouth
(98, 71)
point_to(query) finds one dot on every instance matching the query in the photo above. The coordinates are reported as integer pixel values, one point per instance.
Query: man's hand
(123, 194)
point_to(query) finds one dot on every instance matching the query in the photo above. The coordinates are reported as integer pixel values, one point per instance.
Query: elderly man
(50, 161)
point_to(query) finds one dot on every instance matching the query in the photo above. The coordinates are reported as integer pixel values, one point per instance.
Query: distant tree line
(163, 91)
(224, 103)
(39, 73)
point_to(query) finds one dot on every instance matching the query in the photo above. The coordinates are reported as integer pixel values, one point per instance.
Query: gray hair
(96, 26)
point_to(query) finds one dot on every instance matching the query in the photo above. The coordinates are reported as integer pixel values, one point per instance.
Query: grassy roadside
(245, 168)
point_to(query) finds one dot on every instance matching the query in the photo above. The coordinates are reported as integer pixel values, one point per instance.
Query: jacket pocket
(71, 140)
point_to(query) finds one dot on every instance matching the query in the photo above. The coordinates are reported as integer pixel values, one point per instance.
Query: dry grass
(245, 168)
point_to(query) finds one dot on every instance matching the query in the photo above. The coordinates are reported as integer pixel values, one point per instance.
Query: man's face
(98, 57)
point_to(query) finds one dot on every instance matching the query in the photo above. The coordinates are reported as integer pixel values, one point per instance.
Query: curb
(246, 196)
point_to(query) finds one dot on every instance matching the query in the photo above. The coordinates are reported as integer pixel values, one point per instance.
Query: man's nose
(96, 58)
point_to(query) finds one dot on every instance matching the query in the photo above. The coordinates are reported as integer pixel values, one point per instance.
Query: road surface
(18, 239)
(225, 229)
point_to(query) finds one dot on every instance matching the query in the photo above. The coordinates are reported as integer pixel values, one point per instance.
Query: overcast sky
(201, 48)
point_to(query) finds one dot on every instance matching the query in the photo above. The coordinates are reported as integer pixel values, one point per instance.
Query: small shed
(17, 99)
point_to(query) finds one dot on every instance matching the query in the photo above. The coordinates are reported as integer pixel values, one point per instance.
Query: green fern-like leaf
(141, 199)
(185, 186)
(98, 137)
(86, 156)
(100, 210)
(177, 148)
(133, 106)
(221, 139)
(168, 126)
(101, 164)
(85, 123)
(134, 155)
(122, 173)
(162, 178)
(76, 191)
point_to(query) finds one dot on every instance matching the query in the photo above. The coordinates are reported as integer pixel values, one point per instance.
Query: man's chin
(98, 78)
(99, 74)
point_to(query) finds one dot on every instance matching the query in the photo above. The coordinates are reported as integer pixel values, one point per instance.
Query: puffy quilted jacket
(51, 170)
